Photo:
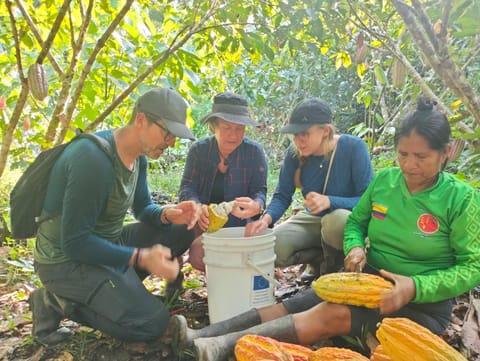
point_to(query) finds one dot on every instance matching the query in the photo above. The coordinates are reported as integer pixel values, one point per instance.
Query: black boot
(184, 336)
(47, 312)
(221, 347)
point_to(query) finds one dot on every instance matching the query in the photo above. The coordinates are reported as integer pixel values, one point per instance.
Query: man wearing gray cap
(90, 263)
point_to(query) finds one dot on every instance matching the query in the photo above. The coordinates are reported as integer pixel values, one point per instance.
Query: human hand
(355, 260)
(402, 293)
(203, 220)
(158, 260)
(257, 227)
(316, 202)
(245, 207)
(186, 212)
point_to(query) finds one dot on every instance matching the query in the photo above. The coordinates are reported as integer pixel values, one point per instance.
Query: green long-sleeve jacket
(432, 236)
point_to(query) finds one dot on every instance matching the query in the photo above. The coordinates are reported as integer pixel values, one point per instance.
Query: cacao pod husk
(37, 81)
(401, 338)
(351, 288)
(216, 220)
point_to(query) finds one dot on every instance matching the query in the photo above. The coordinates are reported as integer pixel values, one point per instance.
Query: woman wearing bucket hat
(332, 171)
(226, 166)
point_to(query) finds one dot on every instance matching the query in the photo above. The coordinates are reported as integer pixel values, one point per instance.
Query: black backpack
(28, 194)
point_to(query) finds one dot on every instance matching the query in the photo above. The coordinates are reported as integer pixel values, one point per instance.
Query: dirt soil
(90, 345)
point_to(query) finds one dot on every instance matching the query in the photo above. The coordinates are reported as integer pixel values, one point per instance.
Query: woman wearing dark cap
(332, 172)
(226, 166)
(423, 227)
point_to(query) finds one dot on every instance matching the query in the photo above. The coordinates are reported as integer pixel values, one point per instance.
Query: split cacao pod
(351, 288)
(336, 354)
(379, 354)
(37, 81)
(217, 220)
(401, 338)
(255, 347)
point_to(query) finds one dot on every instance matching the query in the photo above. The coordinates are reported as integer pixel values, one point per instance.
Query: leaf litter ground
(90, 345)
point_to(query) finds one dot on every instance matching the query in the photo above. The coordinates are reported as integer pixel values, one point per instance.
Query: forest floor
(86, 344)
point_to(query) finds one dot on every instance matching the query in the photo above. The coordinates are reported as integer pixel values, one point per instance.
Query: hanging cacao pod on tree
(398, 74)
(37, 81)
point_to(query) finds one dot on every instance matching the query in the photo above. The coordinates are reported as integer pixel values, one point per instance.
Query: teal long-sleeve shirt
(88, 197)
(432, 236)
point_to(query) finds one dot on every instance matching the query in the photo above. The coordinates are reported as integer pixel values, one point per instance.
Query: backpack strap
(101, 142)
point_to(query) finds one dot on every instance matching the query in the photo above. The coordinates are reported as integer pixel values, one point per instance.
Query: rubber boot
(221, 347)
(184, 336)
(47, 312)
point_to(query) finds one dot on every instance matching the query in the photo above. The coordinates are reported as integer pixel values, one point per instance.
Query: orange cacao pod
(380, 355)
(336, 354)
(37, 81)
(298, 352)
(255, 347)
(351, 288)
(401, 338)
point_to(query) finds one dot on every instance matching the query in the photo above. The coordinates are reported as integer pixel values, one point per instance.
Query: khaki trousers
(315, 240)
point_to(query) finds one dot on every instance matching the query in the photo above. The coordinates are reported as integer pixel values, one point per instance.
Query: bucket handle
(262, 273)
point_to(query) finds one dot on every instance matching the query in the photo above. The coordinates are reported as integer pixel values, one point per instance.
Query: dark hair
(427, 122)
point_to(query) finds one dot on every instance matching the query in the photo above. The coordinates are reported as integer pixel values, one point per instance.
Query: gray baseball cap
(169, 106)
(308, 112)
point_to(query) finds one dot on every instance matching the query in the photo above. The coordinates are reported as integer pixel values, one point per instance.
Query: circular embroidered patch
(428, 223)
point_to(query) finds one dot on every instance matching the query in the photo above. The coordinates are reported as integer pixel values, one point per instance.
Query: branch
(445, 67)
(38, 37)
(16, 38)
(77, 45)
(53, 32)
(174, 46)
(426, 24)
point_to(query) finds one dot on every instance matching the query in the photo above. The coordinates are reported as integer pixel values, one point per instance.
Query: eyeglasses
(168, 135)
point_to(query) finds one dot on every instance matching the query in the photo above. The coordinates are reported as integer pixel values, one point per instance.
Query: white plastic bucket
(240, 271)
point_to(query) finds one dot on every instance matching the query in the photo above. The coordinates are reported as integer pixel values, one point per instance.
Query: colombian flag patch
(379, 212)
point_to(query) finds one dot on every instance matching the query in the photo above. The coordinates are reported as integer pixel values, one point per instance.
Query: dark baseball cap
(230, 107)
(169, 106)
(308, 112)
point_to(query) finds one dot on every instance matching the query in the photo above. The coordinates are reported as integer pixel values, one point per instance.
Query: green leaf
(380, 74)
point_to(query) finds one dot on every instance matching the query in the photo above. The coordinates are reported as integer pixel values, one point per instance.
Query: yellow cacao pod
(336, 354)
(351, 288)
(380, 355)
(217, 221)
(37, 81)
(255, 347)
(398, 74)
(401, 338)
(298, 352)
